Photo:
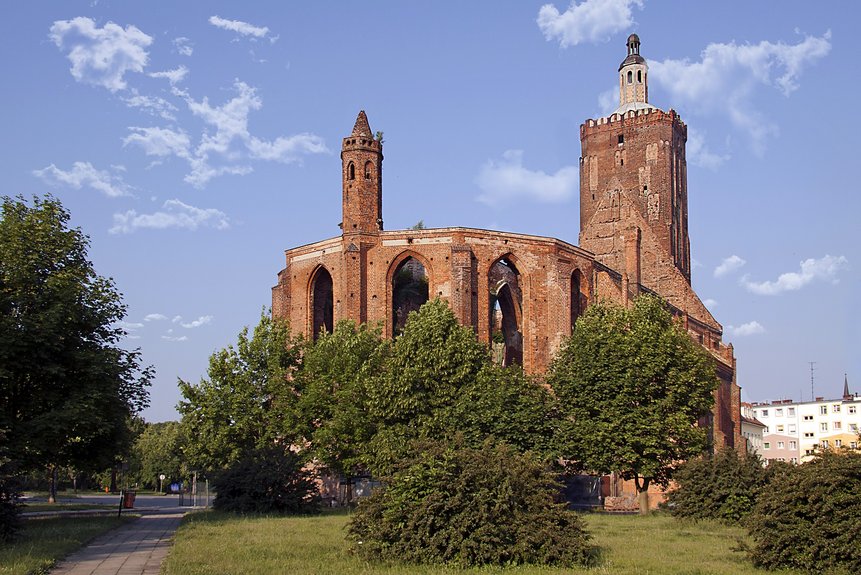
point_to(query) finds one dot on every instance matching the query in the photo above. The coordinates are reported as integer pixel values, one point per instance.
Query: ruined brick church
(522, 294)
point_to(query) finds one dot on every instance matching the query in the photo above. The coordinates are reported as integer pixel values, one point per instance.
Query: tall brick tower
(362, 220)
(633, 182)
(362, 180)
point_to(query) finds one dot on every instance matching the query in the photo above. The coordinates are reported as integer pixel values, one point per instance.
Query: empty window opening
(630, 77)
(621, 139)
(367, 170)
(578, 300)
(506, 313)
(639, 76)
(351, 171)
(409, 292)
(321, 303)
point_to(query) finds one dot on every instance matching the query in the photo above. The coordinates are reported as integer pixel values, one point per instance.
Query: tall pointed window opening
(322, 308)
(409, 292)
(506, 313)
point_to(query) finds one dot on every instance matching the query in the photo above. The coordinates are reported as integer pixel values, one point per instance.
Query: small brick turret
(362, 180)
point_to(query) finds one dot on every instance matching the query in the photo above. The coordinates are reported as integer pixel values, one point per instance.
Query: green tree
(157, 451)
(632, 386)
(248, 401)
(67, 388)
(332, 385)
(430, 363)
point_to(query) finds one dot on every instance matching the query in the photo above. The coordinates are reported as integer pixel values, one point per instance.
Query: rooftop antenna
(812, 364)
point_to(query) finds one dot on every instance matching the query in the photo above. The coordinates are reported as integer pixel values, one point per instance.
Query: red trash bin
(129, 499)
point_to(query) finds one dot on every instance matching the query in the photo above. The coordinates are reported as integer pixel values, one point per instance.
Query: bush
(266, 480)
(10, 510)
(465, 506)
(723, 487)
(809, 518)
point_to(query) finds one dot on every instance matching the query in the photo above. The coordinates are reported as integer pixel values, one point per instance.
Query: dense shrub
(724, 486)
(465, 506)
(266, 480)
(809, 518)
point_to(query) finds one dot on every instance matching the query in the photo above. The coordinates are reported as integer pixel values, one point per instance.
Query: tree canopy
(67, 388)
(248, 402)
(632, 385)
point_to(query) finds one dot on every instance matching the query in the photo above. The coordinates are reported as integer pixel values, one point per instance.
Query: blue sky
(195, 141)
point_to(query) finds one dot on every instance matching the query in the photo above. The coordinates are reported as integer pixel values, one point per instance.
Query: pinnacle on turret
(846, 395)
(362, 128)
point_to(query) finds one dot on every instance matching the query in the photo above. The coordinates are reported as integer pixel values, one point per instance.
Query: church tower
(362, 181)
(633, 182)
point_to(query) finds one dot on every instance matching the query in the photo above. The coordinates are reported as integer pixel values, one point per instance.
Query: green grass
(214, 543)
(45, 541)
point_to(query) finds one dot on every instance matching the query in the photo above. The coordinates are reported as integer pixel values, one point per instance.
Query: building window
(824, 444)
(765, 430)
(793, 445)
(778, 412)
(823, 410)
(793, 460)
(838, 425)
(808, 418)
(808, 434)
(853, 444)
(790, 411)
(808, 452)
(781, 445)
(621, 139)
(779, 429)
(764, 413)
(838, 443)
(835, 409)
(639, 76)
(851, 409)
(630, 77)
(853, 427)
(351, 171)
(766, 445)
(823, 426)
(792, 428)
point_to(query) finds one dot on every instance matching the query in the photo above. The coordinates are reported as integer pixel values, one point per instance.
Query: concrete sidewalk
(137, 548)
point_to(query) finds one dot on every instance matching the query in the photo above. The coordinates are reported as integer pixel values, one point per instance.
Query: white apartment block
(795, 430)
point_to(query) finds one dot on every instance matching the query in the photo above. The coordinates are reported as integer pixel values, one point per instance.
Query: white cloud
(825, 268)
(202, 320)
(101, 56)
(728, 265)
(159, 141)
(174, 76)
(152, 105)
(84, 174)
(183, 45)
(749, 328)
(507, 179)
(286, 149)
(155, 317)
(724, 81)
(130, 326)
(229, 141)
(710, 303)
(174, 338)
(175, 214)
(698, 153)
(240, 27)
(176, 319)
(589, 21)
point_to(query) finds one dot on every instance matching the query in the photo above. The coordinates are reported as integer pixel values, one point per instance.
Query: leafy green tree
(632, 386)
(430, 363)
(452, 503)
(724, 486)
(67, 388)
(809, 518)
(248, 401)
(332, 385)
(157, 451)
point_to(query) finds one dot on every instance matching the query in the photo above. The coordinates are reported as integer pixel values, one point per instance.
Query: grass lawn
(214, 543)
(45, 541)
(31, 507)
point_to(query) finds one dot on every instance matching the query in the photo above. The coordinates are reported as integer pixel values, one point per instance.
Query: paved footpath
(134, 549)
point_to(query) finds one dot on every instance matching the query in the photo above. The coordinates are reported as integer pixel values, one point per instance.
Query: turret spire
(362, 128)
(633, 79)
